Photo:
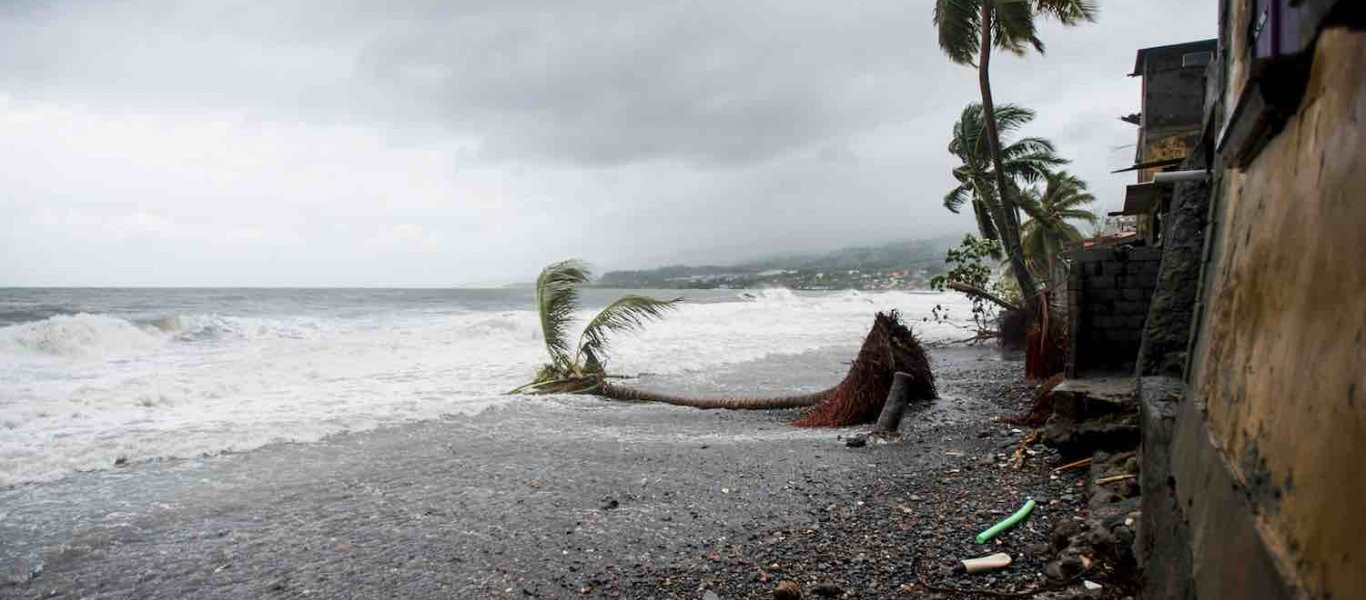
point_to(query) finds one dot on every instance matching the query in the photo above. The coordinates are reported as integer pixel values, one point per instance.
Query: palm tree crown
(1025, 161)
(557, 299)
(1047, 231)
(1013, 28)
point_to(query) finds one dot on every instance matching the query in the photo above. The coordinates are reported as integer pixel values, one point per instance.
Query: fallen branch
(1114, 478)
(976, 291)
(1076, 463)
(981, 336)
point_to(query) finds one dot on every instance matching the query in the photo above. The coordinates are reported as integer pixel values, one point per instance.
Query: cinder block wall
(1109, 290)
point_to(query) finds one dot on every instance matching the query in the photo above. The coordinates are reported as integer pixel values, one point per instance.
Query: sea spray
(161, 375)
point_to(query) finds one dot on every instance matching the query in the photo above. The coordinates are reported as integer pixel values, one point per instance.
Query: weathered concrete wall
(1173, 109)
(1166, 333)
(1280, 359)
(1108, 294)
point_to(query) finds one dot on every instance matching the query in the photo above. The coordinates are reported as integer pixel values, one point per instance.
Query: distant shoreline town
(897, 266)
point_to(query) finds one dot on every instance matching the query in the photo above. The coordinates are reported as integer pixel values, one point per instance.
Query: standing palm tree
(970, 29)
(1026, 160)
(1048, 230)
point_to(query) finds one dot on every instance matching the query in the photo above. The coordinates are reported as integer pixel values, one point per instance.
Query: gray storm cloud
(435, 143)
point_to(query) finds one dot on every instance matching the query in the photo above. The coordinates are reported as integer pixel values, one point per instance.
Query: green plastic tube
(1007, 523)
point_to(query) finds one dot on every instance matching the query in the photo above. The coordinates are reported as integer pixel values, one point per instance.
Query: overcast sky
(465, 142)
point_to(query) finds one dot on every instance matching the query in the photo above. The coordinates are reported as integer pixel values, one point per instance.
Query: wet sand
(546, 497)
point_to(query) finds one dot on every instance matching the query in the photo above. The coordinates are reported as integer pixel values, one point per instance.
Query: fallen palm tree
(889, 347)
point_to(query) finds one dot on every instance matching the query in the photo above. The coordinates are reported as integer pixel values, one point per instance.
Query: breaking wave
(77, 335)
(78, 391)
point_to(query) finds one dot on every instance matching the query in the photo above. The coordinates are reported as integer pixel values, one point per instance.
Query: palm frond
(1067, 12)
(1031, 169)
(957, 22)
(986, 226)
(629, 312)
(1014, 26)
(1080, 215)
(1028, 146)
(956, 198)
(557, 297)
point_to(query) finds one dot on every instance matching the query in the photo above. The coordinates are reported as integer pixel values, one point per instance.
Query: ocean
(91, 377)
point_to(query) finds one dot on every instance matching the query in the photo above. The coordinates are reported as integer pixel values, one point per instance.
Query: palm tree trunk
(629, 394)
(890, 347)
(1008, 226)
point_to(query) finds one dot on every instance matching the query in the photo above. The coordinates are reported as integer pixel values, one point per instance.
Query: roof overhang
(1138, 199)
(1210, 45)
(1153, 164)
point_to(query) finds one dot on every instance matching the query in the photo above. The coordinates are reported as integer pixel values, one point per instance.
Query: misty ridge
(896, 265)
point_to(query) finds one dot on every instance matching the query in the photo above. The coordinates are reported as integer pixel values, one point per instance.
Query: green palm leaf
(956, 198)
(1067, 12)
(557, 297)
(1013, 27)
(957, 22)
(627, 313)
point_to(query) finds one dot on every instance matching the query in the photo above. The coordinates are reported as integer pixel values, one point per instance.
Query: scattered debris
(1091, 585)
(1072, 465)
(991, 562)
(1018, 457)
(1114, 478)
(1042, 407)
(1006, 523)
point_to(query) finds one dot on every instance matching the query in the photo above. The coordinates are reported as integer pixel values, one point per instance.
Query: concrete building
(1252, 368)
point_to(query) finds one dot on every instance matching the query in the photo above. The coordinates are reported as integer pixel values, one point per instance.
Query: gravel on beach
(565, 497)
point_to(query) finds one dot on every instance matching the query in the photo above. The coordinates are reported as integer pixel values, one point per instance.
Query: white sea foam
(80, 391)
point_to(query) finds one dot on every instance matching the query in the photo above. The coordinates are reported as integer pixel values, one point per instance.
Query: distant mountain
(900, 265)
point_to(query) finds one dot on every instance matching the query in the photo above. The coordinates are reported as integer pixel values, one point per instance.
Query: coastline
(548, 497)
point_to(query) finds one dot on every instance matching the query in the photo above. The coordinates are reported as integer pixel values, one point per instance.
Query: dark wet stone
(826, 590)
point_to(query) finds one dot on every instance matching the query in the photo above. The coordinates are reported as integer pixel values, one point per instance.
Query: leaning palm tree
(1062, 199)
(889, 347)
(968, 31)
(1025, 161)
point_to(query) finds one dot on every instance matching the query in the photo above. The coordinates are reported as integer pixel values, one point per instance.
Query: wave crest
(81, 334)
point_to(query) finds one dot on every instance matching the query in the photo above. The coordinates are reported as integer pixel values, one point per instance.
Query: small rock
(710, 595)
(856, 441)
(1067, 567)
(1091, 585)
(827, 590)
(609, 503)
(1123, 534)
(787, 590)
